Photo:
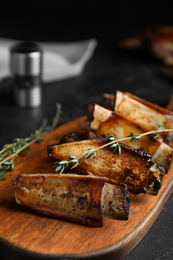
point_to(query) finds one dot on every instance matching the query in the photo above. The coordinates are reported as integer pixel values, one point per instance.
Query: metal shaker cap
(26, 59)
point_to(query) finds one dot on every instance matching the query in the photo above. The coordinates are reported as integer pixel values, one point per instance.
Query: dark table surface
(109, 69)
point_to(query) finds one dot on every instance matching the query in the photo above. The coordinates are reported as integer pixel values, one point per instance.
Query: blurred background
(46, 18)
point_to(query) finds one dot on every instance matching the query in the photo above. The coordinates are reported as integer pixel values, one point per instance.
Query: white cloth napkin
(60, 60)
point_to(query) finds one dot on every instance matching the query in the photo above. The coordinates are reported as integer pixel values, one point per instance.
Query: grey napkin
(60, 60)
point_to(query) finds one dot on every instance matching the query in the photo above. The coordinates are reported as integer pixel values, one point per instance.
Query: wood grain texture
(31, 234)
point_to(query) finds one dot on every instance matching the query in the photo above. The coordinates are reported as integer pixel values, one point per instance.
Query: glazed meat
(106, 122)
(79, 198)
(147, 115)
(132, 167)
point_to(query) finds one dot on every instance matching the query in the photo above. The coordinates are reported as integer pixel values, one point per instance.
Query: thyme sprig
(114, 146)
(21, 146)
(91, 152)
(62, 165)
(134, 137)
(112, 142)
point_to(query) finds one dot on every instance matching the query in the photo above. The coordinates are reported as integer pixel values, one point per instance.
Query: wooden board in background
(28, 234)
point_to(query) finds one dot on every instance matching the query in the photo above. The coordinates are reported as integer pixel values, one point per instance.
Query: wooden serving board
(24, 233)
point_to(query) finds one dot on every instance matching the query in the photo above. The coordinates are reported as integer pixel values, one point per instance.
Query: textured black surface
(109, 69)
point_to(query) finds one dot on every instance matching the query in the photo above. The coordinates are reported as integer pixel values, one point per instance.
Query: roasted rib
(79, 198)
(132, 167)
(105, 122)
(147, 115)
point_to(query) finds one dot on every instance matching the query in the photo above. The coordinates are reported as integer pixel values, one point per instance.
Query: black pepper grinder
(26, 67)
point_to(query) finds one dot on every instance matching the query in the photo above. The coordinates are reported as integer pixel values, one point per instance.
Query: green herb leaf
(115, 147)
(160, 127)
(40, 140)
(110, 138)
(91, 152)
(134, 137)
(75, 165)
(2, 174)
(17, 140)
(13, 149)
(64, 162)
(73, 160)
(119, 149)
(60, 166)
